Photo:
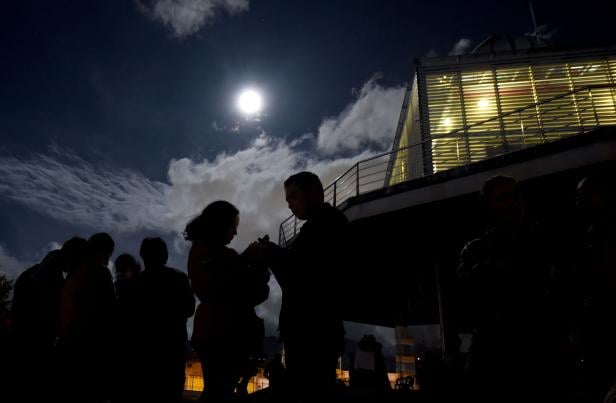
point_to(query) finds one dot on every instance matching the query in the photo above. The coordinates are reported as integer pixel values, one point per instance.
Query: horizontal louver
(463, 108)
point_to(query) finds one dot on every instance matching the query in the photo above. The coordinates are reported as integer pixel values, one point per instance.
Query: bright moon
(250, 102)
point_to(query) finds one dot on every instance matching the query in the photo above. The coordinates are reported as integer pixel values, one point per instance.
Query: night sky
(120, 116)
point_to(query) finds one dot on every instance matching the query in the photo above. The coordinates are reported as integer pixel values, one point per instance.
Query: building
(405, 352)
(194, 382)
(509, 93)
(514, 106)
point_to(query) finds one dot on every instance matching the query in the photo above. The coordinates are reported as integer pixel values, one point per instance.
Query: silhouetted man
(101, 288)
(97, 316)
(100, 294)
(36, 303)
(308, 272)
(504, 277)
(594, 286)
(37, 316)
(87, 308)
(165, 303)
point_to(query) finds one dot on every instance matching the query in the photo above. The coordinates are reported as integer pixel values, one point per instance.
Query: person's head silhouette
(102, 246)
(126, 267)
(502, 202)
(304, 194)
(217, 224)
(594, 196)
(55, 260)
(154, 252)
(76, 252)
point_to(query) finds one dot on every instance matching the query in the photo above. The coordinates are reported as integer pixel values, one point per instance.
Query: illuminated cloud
(369, 121)
(461, 47)
(71, 189)
(187, 17)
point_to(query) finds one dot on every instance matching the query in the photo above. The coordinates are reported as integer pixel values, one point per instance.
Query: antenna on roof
(532, 14)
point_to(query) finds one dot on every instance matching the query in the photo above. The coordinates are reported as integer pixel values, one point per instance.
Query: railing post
(499, 110)
(334, 201)
(594, 108)
(357, 179)
(522, 128)
(533, 85)
(464, 120)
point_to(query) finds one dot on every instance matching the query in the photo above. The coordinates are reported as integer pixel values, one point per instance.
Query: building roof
(506, 49)
(499, 43)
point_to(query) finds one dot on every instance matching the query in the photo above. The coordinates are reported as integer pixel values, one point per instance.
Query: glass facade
(464, 114)
(406, 163)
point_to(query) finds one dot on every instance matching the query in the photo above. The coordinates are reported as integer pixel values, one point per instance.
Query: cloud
(431, 53)
(71, 189)
(461, 47)
(269, 310)
(42, 252)
(228, 129)
(53, 245)
(252, 180)
(68, 188)
(370, 120)
(187, 17)
(10, 266)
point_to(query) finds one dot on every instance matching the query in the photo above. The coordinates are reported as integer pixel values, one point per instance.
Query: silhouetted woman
(227, 332)
(165, 303)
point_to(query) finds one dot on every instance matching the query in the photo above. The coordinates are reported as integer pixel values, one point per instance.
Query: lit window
(483, 103)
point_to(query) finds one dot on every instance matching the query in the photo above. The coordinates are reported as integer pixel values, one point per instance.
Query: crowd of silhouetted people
(76, 335)
(80, 337)
(540, 310)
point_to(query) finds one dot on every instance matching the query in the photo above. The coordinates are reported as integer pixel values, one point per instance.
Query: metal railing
(527, 126)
